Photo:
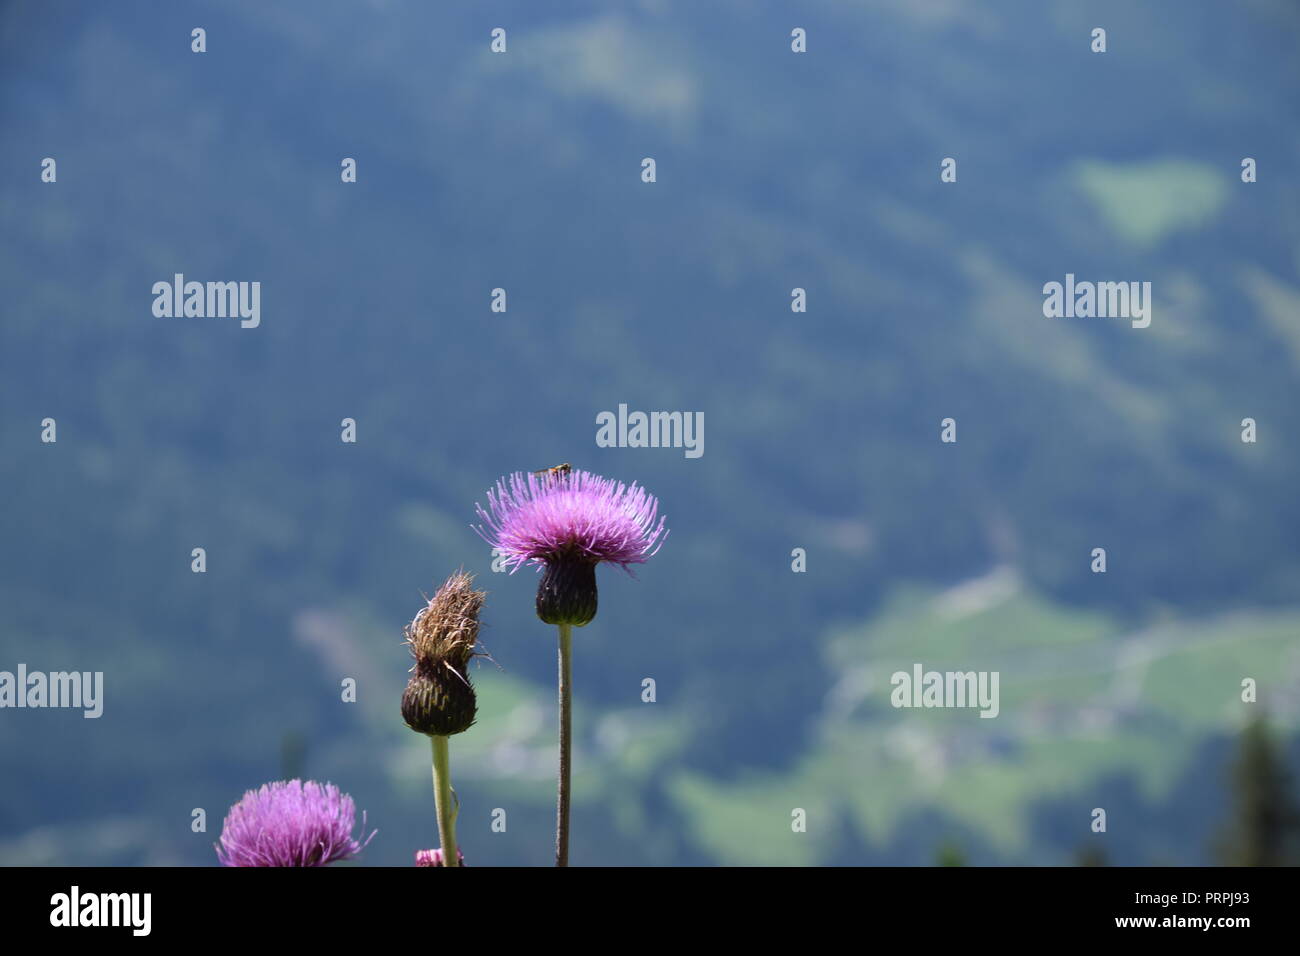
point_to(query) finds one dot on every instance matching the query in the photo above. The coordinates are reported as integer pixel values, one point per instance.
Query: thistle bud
(439, 699)
(566, 593)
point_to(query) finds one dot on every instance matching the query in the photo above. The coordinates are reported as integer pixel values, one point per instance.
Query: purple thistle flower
(291, 823)
(540, 518)
(434, 858)
(566, 524)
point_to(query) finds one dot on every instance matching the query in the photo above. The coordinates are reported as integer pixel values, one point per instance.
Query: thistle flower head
(567, 524)
(439, 699)
(537, 519)
(291, 823)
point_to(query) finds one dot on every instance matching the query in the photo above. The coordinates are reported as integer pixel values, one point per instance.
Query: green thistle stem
(566, 741)
(444, 800)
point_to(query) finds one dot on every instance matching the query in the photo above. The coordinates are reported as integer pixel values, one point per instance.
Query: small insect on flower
(559, 471)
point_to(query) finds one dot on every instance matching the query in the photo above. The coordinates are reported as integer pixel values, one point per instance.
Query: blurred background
(775, 170)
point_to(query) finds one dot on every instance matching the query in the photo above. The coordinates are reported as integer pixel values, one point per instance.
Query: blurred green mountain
(1083, 702)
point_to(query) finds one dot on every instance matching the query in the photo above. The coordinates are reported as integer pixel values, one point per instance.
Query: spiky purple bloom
(291, 823)
(566, 524)
(533, 518)
(434, 857)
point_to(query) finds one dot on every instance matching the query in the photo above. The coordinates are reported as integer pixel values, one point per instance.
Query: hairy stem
(444, 801)
(566, 742)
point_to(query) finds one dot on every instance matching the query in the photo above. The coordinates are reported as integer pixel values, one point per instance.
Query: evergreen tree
(1264, 829)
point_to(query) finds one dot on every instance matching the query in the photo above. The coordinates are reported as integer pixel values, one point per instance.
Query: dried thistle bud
(439, 699)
